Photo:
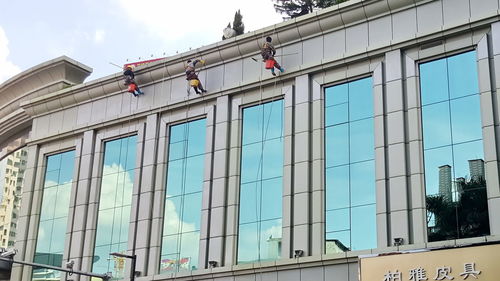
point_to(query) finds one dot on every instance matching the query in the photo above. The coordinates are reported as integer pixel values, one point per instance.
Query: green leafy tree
(467, 217)
(238, 24)
(295, 8)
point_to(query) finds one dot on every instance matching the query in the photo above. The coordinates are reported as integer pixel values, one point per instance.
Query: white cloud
(99, 36)
(7, 68)
(173, 20)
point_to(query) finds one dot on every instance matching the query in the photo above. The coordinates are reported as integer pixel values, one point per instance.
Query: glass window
(453, 149)
(182, 214)
(54, 213)
(261, 186)
(115, 202)
(350, 168)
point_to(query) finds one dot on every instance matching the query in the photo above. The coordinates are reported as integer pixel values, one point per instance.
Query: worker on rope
(130, 81)
(192, 76)
(268, 52)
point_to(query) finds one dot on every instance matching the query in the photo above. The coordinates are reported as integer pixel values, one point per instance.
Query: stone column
(216, 181)
(488, 62)
(301, 161)
(396, 145)
(24, 233)
(146, 194)
(78, 209)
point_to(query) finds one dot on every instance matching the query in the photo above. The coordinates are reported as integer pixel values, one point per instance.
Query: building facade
(380, 136)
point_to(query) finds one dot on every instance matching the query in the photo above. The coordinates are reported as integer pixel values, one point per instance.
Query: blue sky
(98, 32)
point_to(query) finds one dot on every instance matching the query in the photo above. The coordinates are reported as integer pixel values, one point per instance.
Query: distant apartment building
(12, 170)
(445, 182)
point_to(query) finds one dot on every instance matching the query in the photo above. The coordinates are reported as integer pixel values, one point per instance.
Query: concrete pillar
(24, 222)
(396, 148)
(301, 161)
(382, 211)
(233, 187)
(488, 62)
(79, 199)
(143, 221)
(317, 171)
(416, 184)
(215, 191)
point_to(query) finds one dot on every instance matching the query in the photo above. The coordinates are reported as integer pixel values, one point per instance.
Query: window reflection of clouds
(261, 186)
(115, 201)
(350, 168)
(451, 122)
(182, 214)
(54, 210)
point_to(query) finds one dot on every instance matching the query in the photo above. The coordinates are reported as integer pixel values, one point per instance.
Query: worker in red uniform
(130, 81)
(268, 52)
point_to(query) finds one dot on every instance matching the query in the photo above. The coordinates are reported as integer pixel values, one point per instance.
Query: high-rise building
(12, 168)
(445, 186)
(476, 169)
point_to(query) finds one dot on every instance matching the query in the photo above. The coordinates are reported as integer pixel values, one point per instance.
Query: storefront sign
(467, 263)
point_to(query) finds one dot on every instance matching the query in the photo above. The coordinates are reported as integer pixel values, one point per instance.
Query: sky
(97, 32)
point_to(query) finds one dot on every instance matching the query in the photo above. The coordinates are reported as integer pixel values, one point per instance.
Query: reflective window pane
(253, 123)
(272, 158)
(248, 210)
(364, 216)
(182, 213)
(337, 145)
(336, 95)
(54, 212)
(271, 208)
(466, 119)
(360, 99)
(435, 88)
(362, 183)
(350, 168)
(361, 142)
(453, 150)
(273, 120)
(436, 125)
(251, 162)
(462, 75)
(248, 241)
(261, 186)
(337, 114)
(115, 202)
(337, 193)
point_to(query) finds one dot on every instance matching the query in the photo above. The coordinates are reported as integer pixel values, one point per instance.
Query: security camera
(298, 253)
(70, 264)
(212, 264)
(8, 253)
(398, 241)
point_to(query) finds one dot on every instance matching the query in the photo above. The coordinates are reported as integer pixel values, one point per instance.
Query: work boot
(203, 91)
(272, 72)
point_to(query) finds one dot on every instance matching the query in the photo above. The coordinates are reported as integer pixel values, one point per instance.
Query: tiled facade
(48, 110)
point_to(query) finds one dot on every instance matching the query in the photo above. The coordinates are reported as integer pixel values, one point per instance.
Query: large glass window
(114, 205)
(182, 217)
(350, 168)
(261, 186)
(54, 214)
(12, 169)
(453, 148)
